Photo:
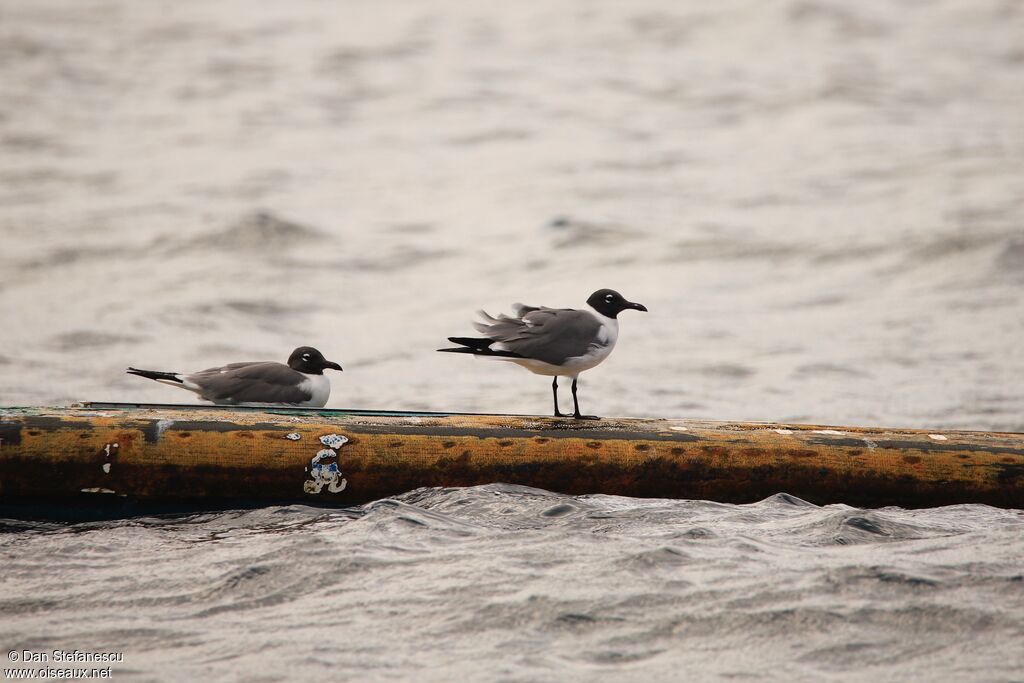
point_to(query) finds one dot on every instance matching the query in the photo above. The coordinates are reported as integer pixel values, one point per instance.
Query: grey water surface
(504, 583)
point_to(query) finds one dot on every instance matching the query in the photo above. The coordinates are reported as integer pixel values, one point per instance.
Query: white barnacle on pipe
(328, 475)
(293, 436)
(938, 437)
(323, 454)
(333, 440)
(109, 454)
(828, 431)
(162, 426)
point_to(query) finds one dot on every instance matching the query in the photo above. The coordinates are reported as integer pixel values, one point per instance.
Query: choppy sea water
(821, 203)
(504, 583)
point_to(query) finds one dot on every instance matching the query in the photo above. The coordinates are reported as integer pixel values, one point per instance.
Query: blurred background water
(821, 203)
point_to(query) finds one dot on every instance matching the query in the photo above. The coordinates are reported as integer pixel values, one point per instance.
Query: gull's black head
(310, 361)
(610, 303)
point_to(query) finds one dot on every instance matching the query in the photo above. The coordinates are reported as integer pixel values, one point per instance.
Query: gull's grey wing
(551, 335)
(265, 382)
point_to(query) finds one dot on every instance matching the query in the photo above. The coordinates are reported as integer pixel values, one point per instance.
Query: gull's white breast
(320, 388)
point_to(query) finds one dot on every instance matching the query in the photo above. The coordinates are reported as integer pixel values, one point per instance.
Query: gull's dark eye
(305, 356)
(609, 297)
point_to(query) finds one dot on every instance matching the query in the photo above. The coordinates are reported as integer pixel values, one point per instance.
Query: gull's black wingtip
(154, 374)
(477, 347)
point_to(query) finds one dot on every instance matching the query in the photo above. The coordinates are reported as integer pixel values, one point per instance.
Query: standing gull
(300, 383)
(557, 342)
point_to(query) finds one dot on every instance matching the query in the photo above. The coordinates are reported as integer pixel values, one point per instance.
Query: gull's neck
(605, 320)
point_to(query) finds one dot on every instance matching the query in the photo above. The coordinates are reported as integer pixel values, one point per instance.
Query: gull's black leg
(576, 405)
(554, 392)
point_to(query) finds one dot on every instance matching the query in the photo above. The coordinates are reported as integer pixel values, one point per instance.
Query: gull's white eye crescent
(305, 356)
(608, 297)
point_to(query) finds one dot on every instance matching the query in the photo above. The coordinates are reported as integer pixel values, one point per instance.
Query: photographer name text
(60, 656)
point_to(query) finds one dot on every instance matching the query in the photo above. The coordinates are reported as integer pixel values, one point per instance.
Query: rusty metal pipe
(214, 455)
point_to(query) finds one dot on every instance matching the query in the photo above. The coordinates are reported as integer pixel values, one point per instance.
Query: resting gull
(557, 342)
(299, 383)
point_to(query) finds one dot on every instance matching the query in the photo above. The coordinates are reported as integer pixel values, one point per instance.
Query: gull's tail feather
(487, 321)
(523, 309)
(158, 376)
(477, 347)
